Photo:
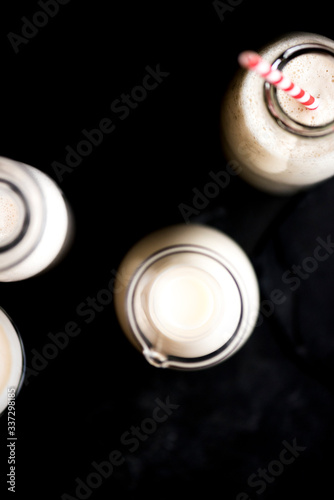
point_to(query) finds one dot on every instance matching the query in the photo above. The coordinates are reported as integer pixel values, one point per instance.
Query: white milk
(182, 299)
(184, 293)
(271, 157)
(11, 359)
(55, 230)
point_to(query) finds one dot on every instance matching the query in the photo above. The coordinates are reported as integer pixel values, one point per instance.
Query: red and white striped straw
(252, 60)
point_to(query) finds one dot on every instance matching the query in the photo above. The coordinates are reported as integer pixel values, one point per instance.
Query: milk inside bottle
(280, 146)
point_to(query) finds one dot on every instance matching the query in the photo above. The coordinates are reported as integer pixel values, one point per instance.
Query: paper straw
(253, 61)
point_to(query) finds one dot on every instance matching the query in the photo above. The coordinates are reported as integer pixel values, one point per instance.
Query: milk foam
(313, 73)
(10, 216)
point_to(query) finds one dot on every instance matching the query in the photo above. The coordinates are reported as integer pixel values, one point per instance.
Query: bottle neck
(284, 119)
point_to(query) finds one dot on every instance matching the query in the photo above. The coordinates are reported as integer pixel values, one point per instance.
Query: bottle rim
(17, 178)
(165, 360)
(273, 105)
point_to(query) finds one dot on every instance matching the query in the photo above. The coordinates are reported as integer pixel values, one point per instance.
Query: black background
(232, 419)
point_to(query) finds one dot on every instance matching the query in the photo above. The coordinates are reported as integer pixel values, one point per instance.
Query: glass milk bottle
(35, 221)
(12, 361)
(281, 146)
(186, 296)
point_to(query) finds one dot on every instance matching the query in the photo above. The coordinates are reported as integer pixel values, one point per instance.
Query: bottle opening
(22, 214)
(13, 215)
(185, 308)
(310, 66)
